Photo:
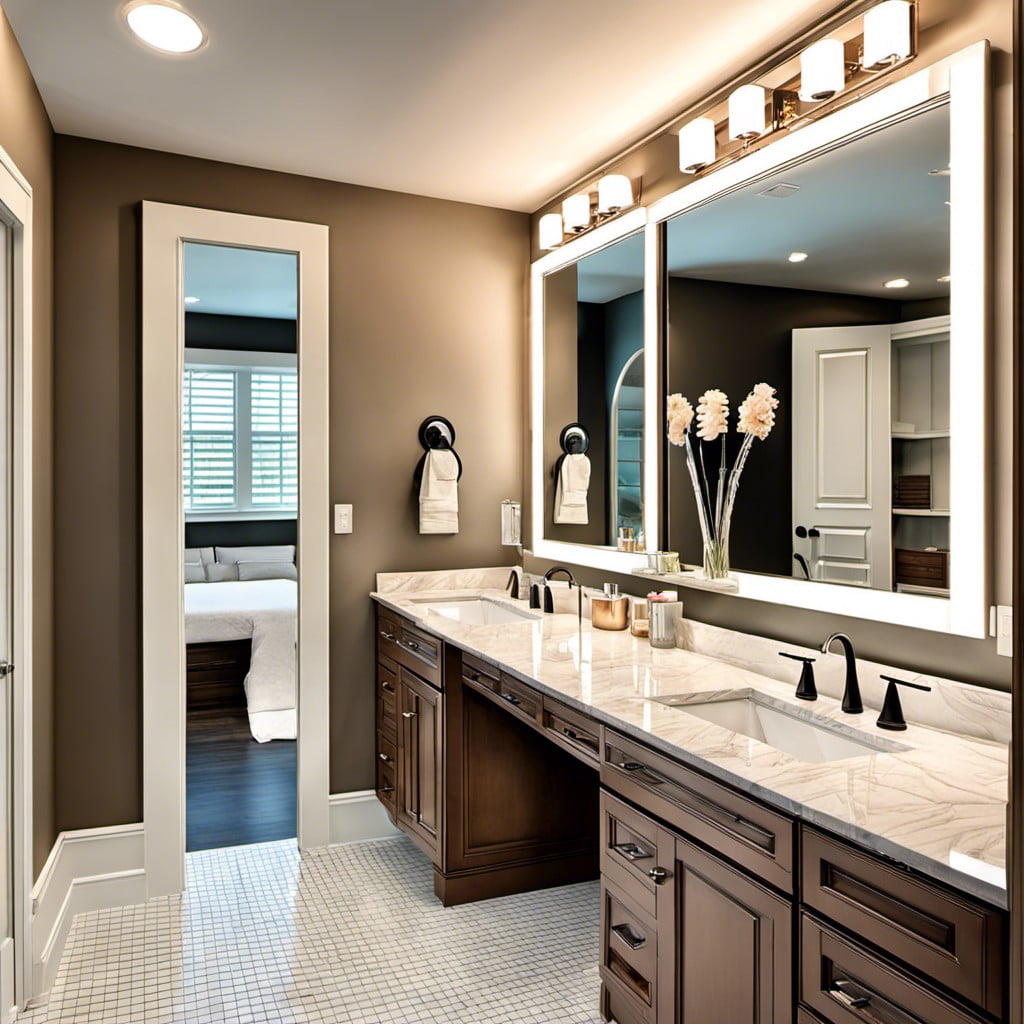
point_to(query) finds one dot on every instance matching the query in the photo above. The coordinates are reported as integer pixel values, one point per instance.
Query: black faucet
(892, 711)
(513, 585)
(852, 704)
(805, 689)
(549, 600)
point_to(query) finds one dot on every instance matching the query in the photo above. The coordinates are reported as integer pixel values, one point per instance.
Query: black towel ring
(574, 439)
(436, 433)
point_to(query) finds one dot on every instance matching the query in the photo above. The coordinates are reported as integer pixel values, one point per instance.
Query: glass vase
(716, 559)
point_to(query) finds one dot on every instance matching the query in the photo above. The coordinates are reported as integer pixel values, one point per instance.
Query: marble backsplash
(952, 706)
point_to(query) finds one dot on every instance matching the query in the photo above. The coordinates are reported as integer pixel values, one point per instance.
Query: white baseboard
(88, 869)
(357, 816)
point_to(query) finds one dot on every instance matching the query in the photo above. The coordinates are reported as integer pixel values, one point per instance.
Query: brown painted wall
(26, 135)
(426, 316)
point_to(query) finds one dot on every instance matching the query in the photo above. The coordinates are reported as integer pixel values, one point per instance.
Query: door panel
(842, 454)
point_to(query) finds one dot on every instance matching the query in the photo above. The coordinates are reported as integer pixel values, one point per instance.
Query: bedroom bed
(263, 612)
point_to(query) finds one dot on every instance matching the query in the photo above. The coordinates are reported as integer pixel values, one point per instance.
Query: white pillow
(202, 555)
(267, 571)
(194, 572)
(217, 573)
(266, 553)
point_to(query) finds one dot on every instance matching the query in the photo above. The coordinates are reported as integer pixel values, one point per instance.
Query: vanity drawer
(387, 751)
(632, 847)
(948, 937)
(385, 773)
(476, 671)
(387, 689)
(748, 833)
(572, 731)
(847, 984)
(399, 640)
(629, 948)
(522, 701)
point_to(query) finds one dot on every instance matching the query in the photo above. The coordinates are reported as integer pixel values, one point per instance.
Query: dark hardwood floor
(238, 791)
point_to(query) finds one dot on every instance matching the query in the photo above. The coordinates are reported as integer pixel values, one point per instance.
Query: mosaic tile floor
(348, 935)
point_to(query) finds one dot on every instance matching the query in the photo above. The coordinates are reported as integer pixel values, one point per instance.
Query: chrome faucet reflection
(852, 704)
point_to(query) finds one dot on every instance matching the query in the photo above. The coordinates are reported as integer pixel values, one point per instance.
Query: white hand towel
(439, 492)
(571, 490)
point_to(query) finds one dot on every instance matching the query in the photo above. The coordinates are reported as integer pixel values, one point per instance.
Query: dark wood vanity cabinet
(715, 908)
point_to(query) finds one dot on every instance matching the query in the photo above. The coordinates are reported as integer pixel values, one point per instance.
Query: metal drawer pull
(412, 645)
(636, 766)
(628, 936)
(387, 636)
(408, 714)
(659, 875)
(387, 687)
(512, 699)
(854, 1002)
(631, 851)
(475, 676)
(386, 789)
(384, 757)
(584, 739)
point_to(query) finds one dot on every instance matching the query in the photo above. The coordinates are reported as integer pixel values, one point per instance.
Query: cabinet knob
(659, 875)
(512, 699)
(387, 687)
(408, 714)
(386, 635)
(384, 757)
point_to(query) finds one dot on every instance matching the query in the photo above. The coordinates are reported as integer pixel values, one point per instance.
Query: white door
(842, 454)
(7, 987)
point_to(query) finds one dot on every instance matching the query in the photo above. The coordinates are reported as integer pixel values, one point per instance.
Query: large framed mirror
(846, 266)
(594, 373)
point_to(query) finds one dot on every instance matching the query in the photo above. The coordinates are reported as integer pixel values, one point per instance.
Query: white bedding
(264, 610)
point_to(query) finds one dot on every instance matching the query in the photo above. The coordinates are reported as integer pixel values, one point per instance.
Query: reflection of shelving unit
(920, 448)
(627, 450)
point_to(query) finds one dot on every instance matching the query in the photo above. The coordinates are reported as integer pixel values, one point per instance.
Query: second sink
(802, 734)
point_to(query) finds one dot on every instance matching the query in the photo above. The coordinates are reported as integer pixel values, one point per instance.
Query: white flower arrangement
(755, 419)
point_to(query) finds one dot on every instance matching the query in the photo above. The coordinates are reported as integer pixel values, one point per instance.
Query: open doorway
(240, 475)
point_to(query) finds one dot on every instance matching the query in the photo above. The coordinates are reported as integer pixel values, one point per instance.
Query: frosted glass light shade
(697, 145)
(886, 34)
(746, 112)
(822, 71)
(614, 193)
(576, 212)
(549, 231)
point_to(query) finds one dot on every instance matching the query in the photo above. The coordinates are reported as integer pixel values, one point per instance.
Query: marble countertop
(939, 806)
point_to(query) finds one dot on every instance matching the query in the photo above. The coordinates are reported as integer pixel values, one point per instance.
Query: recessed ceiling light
(190, 299)
(164, 26)
(945, 279)
(797, 257)
(897, 282)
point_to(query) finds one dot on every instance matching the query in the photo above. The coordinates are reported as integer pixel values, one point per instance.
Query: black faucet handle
(805, 689)
(891, 717)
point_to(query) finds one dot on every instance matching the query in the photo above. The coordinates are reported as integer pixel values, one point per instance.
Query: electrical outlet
(342, 518)
(1001, 627)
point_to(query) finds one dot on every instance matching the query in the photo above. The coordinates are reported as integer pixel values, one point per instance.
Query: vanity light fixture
(164, 26)
(697, 145)
(887, 35)
(897, 282)
(747, 119)
(822, 71)
(614, 193)
(797, 257)
(549, 231)
(576, 212)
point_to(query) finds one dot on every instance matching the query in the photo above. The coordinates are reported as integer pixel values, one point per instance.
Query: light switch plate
(342, 518)
(1001, 627)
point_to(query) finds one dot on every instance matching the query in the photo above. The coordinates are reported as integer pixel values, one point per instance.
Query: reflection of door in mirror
(593, 334)
(240, 499)
(829, 281)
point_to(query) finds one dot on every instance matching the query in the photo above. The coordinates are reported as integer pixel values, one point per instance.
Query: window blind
(208, 434)
(275, 424)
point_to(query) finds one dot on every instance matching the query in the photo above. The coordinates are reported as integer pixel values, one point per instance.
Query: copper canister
(611, 609)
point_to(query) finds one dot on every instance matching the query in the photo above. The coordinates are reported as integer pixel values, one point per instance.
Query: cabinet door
(419, 759)
(734, 942)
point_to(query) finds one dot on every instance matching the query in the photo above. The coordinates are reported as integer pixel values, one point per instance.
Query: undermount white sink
(803, 734)
(478, 611)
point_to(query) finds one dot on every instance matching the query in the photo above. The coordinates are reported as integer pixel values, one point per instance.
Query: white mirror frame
(593, 555)
(964, 78)
(165, 229)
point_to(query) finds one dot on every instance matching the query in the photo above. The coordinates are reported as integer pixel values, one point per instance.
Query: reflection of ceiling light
(945, 279)
(190, 299)
(797, 257)
(897, 282)
(165, 27)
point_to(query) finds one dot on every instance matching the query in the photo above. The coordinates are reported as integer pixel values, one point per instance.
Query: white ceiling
(241, 282)
(485, 101)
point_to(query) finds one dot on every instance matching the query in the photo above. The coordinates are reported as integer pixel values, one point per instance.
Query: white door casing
(165, 229)
(842, 453)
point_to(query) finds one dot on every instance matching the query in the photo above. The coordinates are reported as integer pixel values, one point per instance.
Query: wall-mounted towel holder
(574, 440)
(436, 432)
